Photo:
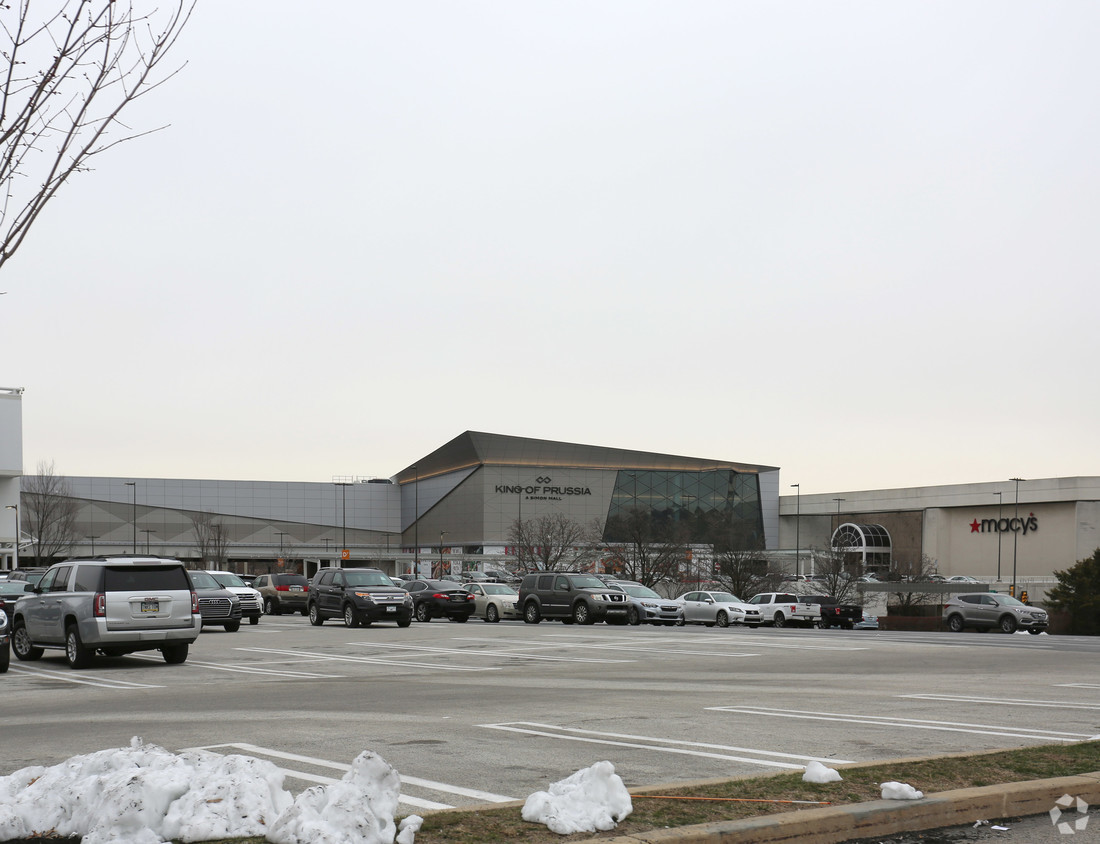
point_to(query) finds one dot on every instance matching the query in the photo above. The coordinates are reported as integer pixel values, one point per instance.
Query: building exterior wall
(11, 468)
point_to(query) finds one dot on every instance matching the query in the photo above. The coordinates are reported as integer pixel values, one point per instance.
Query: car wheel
(75, 652)
(632, 617)
(174, 654)
(823, 623)
(404, 622)
(531, 613)
(779, 620)
(232, 626)
(1034, 631)
(350, 618)
(680, 622)
(1008, 624)
(722, 620)
(304, 611)
(315, 615)
(955, 623)
(253, 619)
(25, 651)
(270, 607)
(461, 619)
(581, 614)
(492, 614)
(422, 613)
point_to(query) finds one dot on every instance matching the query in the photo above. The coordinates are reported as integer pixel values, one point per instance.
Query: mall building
(455, 507)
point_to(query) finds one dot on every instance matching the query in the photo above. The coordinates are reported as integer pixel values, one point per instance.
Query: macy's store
(992, 531)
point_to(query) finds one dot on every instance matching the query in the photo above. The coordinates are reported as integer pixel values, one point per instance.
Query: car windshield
(367, 578)
(499, 589)
(1008, 601)
(445, 585)
(587, 581)
(725, 598)
(202, 580)
(638, 591)
(228, 579)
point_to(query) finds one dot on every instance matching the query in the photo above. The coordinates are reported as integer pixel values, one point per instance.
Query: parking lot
(472, 713)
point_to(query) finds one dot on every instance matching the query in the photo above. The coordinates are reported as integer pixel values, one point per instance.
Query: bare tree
(69, 72)
(909, 575)
(49, 510)
(646, 549)
(211, 536)
(836, 572)
(744, 573)
(553, 543)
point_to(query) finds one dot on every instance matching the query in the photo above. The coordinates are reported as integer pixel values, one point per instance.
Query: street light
(15, 547)
(133, 517)
(416, 521)
(344, 511)
(797, 528)
(1015, 533)
(1000, 501)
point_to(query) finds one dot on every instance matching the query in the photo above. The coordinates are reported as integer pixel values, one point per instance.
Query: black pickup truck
(834, 614)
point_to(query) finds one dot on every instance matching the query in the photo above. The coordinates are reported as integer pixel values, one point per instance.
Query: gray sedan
(646, 606)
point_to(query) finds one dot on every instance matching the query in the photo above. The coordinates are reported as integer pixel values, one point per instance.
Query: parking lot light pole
(133, 512)
(1000, 501)
(1015, 534)
(797, 528)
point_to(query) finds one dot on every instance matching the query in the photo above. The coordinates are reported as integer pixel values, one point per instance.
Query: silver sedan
(494, 601)
(721, 608)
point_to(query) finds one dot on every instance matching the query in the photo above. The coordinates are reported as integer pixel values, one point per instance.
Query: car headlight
(649, 605)
(366, 596)
(408, 600)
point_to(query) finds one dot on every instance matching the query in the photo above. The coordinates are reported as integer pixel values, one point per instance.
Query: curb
(837, 824)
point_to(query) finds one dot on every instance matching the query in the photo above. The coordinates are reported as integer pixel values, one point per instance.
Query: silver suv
(983, 610)
(113, 606)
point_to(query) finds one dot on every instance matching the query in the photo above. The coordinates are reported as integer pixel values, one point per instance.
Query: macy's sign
(1013, 525)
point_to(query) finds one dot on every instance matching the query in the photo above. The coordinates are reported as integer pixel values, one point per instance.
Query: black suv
(572, 597)
(359, 596)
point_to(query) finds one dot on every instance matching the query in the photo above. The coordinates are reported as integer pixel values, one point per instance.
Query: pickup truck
(782, 608)
(834, 614)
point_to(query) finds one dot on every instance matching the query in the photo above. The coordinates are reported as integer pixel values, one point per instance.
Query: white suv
(113, 606)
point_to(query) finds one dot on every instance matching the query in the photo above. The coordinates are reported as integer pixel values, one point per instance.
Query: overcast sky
(856, 240)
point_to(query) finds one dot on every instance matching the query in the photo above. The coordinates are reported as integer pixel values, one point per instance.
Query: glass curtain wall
(709, 507)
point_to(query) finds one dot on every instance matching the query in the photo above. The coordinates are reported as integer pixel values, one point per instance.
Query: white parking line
(910, 723)
(505, 654)
(252, 669)
(626, 646)
(658, 745)
(1057, 704)
(83, 680)
(1077, 685)
(475, 794)
(371, 660)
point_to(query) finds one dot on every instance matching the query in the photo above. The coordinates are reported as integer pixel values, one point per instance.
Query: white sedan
(494, 601)
(721, 608)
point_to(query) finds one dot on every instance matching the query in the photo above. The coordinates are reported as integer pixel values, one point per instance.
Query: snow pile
(145, 795)
(593, 799)
(816, 772)
(900, 791)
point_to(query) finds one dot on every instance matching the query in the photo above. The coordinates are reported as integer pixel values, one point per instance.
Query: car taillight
(99, 605)
(442, 595)
(194, 602)
(282, 588)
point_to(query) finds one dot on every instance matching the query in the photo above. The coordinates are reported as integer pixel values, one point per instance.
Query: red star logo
(975, 526)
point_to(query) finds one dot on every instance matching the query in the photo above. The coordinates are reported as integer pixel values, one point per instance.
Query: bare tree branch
(49, 511)
(70, 72)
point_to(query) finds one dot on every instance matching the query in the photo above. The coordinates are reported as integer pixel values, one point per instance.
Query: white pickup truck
(783, 608)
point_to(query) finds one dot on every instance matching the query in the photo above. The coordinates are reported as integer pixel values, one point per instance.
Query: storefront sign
(1013, 525)
(542, 491)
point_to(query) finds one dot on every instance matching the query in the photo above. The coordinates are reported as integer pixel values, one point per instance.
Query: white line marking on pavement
(371, 660)
(1057, 704)
(1078, 685)
(253, 669)
(82, 680)
(652, 744)
(594, 646)
(476, 794)
(506, 654)
(911, 723)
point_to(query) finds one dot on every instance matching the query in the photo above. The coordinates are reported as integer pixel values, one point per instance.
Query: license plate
(391, 609)
(150, 606)
(295, 588)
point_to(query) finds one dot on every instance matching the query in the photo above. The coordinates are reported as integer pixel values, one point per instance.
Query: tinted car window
(46, 581)
(140, 579)
(260, 581)
(289, 580)
(324, 578)
(61, 579)
(87, 579)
